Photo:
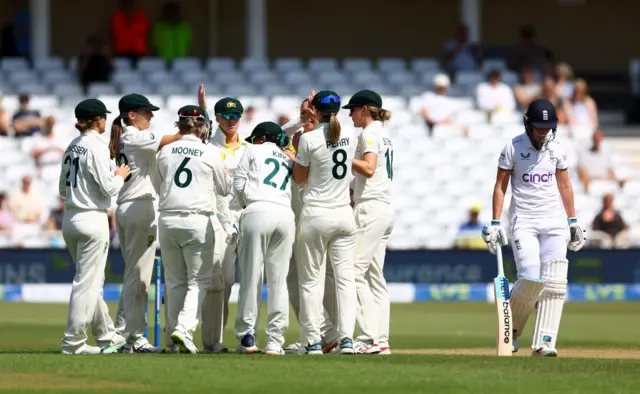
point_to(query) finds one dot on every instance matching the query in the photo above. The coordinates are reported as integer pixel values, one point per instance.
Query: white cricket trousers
(86, 234)
(215, 312)
(268, 232)
(375, 224)
(187, 243)
(137, 228)
(322, 233)
(537, 241)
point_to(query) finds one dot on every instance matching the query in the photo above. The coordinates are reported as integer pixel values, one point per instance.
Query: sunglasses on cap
(190, 112)
(327, 99)
(230, 116)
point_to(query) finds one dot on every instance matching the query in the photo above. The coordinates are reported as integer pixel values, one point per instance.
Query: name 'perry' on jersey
(329, 166)
(138, 150)
(187, 172)
(533, 177)
(264, 174)
(375, 139)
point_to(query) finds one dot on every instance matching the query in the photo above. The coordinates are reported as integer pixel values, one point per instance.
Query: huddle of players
(238, 195)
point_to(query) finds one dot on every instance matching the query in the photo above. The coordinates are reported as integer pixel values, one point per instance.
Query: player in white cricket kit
(373, 168)
(87, 185)
(189, 174)
(228, 112)
(267, 228)
(131, 143)
(305, 123)
(326, 225)
(537, 167)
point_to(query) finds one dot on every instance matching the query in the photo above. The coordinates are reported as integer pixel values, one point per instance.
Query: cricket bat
(503, 309)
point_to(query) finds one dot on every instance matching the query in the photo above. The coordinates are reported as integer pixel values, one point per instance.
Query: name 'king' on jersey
(534, 187)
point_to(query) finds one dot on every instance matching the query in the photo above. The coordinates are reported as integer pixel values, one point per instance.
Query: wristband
(495, 222)
(572, 220)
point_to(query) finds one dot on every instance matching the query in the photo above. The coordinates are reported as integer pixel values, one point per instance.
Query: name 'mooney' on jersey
(533, 177)
(138, 150)
(375, 138)
(188, 175)
(264, 174)
(329, 166)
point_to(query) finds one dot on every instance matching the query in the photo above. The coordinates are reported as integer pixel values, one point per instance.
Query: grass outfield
(438, 347)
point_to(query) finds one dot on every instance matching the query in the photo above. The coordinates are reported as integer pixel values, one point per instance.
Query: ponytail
(379, 114)
(334, 128)
(116, 133)
(86, 124)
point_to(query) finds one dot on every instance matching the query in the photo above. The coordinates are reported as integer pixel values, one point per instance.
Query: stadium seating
(436, 179)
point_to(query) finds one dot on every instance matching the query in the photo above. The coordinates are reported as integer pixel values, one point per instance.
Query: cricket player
(326, 225)
(188, 175)
(228, 112)
(373, 168)
(131, 143)
(305, 123)
(542, 200)
(267, 225)
(87, 185)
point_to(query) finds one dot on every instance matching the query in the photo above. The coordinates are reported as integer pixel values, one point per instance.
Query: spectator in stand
(494, 96)
(528, 90)
(96, 63)
(564, 80)
(4, 118)
(26, 205)
(595, 163)
(172, 34)
(528, 53)
(53, 226)
(581, 108)
(130, 29)
(460, 54)
(469, 234)
(283, 120)
(437, 108)
(27, 122)
(48, 151)
(609, 229)
(548, 92)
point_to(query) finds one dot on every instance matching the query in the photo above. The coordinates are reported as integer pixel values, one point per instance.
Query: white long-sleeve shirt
(138, 149)
(86, 180)
(495, 98)
(189, 175)
(263, 174)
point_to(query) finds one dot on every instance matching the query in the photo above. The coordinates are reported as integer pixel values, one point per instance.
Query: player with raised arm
(226, 139)
(188, 176)
(261, 184)
(326, 226)
(541, 229)
(133, 144)
(373, 168)
(87, 185)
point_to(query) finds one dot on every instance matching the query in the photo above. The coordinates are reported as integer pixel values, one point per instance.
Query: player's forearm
(363, 167)
(566, 193)
(498, 202)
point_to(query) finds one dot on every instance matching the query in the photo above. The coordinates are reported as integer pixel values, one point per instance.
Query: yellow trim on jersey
(232, 150)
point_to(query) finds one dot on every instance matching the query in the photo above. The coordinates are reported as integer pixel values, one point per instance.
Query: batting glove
(494, 236)
(577, 235)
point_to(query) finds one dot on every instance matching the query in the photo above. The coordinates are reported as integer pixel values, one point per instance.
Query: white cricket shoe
(275, 352)
(346, 346)
(217, 348)
(117, 343)
(360, 347)
(247, 345)
(545, 351)
(295, 348)
(85, 349)
(185, 343)
(384, 349)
